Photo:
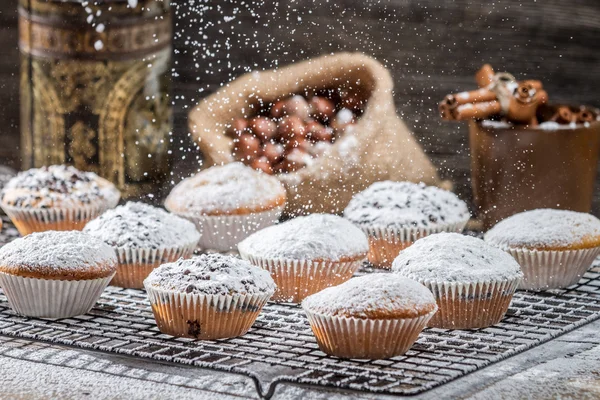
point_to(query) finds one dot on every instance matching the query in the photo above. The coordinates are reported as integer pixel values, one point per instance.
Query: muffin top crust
(139, 225)
(64, 255)
(546, 229)
(58, 186)
(452, 257)
(226, 190)
(211, 274)
(399, 205)
(314, 237)
(378, 296)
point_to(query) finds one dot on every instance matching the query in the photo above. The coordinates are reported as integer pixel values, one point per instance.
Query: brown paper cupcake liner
(386, 243)
(298, 279)
(49, 298)
(224, 232)
(553, 269)
(470, 305)
(365, 338)
(205, 317)
(29, 220)
(136, 264)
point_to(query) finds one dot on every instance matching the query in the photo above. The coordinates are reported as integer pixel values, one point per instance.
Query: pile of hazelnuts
(285, 135)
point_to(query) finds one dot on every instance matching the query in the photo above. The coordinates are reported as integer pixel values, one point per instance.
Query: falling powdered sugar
(373, 296)
(57, 253)
(546, 229)
(225, 189)
(452, 257)
(399, 205)
(314, 237)
(139, 225)
(212, 274)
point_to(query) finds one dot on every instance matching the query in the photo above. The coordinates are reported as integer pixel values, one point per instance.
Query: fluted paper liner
(346, 337)
(553, 269)
(298, 279)
(28, 220)
(470, 305)
(203, 316)
(136, 264)
(51, 298)
(386, 243)
(224, 232)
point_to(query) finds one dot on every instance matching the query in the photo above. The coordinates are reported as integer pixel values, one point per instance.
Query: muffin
(208, 297)
(374, 316)
(143, 237)
(307, 254)
(554, 247)
(58, 197)
(55, 274)
(395, 214)
(473, 282)
(227, 203)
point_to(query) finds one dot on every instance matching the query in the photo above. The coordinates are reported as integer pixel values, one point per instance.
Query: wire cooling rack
(280, 346)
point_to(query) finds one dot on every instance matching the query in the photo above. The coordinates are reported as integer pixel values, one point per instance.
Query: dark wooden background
(432, 47)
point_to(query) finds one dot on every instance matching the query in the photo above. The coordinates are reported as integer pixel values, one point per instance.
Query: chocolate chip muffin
(395, 214)
(57, 197)
(143, 237)
(208, 297)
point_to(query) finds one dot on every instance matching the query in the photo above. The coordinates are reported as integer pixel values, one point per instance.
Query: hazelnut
(297, 142)
(262, 164)
(277, 109)
(247, 147)
(317, 132)
(237, 127)
(290, 127)
(297, 105)
(264, 128)
(273, 152)
(321, 108)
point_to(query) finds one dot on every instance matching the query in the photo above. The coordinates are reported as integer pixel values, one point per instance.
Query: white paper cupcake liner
(205, 317)
(224, 232)
(28, 220)
(470, 305)
(365, 338)
(48, 298)
(136, 264)
(386, 243)
(297, 279)
(553, 269)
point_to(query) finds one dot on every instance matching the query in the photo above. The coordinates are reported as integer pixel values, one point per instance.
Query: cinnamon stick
(481, 110)
(473, 96)
(485, 76)
(563, 115)
(584, 115)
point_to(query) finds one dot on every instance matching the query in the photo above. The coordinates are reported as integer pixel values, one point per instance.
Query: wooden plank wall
(432, 48)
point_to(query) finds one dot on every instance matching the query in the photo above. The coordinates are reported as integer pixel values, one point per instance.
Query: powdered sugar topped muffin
(554, 247)
(373, 316)
(55, 274)
(546, 229)
(307, 254)
(143, 237)
(228, 203)
(211, 296)
(70, 255)
(395, 214)
(57, 197)
(139, 225)
(452, 257)
(225, 190)
(473, 282)
(313, 237)
(213, 274)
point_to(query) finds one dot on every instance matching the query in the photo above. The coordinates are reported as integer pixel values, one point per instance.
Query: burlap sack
(379, 147)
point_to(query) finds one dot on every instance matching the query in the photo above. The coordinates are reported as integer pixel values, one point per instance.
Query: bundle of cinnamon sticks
(498, 94)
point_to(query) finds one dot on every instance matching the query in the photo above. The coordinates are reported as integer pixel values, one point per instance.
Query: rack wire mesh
(281, 348)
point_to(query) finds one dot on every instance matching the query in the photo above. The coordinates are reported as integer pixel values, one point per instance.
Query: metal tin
(94, 88)
(516, 169)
